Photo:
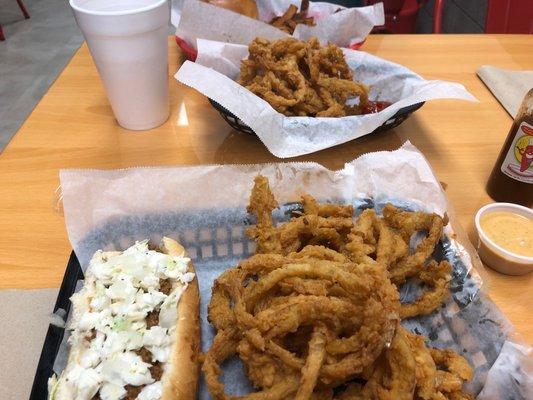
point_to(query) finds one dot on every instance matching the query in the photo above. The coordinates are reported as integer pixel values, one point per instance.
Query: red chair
(24, 11)
(509, 16)
(400, 15)
(503, 16)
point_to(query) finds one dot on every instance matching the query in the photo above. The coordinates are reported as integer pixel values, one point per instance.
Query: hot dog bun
(244, 7)
(134, 328)
(182, 381)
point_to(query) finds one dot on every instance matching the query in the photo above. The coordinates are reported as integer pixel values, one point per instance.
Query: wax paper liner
(204, 208)
(348, 27)
(217, 67)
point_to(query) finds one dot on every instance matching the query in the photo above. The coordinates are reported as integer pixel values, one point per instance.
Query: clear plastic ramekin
(495, 256)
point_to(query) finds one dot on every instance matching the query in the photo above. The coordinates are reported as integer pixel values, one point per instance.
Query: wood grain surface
(73, 127)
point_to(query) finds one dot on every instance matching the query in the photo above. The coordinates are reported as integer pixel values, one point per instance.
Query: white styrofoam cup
(128, 42)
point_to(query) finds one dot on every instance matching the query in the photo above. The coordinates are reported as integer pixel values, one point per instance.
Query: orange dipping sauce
(512, 232)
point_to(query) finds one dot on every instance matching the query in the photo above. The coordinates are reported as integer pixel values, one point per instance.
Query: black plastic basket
(216, 239)
(220, 241)
(234, 121)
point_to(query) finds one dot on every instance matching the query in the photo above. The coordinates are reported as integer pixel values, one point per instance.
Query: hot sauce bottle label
(518, 163)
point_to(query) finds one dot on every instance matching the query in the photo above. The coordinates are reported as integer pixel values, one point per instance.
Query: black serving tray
(216, 239)
(54, 336)
(234, 121)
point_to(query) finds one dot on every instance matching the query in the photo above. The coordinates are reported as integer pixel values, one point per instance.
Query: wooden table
(73, 127)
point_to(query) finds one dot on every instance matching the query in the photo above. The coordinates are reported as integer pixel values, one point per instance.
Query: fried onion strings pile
(300, 78)
(315, 313)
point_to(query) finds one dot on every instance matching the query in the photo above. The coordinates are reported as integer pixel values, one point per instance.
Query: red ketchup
(372, 107)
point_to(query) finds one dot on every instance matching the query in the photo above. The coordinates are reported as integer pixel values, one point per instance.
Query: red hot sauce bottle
(511, 179)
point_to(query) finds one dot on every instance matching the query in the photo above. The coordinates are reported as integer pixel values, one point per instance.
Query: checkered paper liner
(468, 321)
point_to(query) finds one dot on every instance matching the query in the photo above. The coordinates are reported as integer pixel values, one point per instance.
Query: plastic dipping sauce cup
(492, 252)
(128, 42)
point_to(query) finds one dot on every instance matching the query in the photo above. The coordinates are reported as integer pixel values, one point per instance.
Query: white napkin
(509, 87)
